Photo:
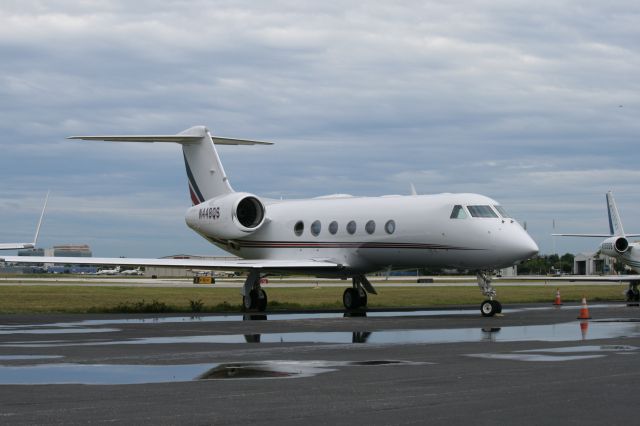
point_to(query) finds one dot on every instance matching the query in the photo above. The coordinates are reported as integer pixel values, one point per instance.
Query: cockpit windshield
(458, 213)
(502, 211)
(482, 211)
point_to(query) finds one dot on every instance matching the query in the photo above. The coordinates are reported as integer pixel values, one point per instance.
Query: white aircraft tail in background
(617, 245)
(20, 246)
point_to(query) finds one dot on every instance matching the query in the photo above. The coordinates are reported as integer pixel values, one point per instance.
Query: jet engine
(614, 246)
(227, 217)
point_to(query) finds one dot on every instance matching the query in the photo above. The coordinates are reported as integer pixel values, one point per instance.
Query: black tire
(350, 298)
(261, 303)
(488, 308)
(250, 300)
(629, 295)
(362, 296)
(498, 306)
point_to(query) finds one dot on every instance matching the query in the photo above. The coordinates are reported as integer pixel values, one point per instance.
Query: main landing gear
(355, 297)
(633, 294)
(489, 307)
(254, 298)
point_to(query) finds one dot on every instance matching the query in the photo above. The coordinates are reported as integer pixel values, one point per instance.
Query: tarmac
(535, 364)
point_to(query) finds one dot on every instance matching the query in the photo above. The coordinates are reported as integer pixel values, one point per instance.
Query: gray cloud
(535, 105)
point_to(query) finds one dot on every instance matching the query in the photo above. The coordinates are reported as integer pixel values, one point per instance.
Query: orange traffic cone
(584, 310)
(584, 328)
(557, 302)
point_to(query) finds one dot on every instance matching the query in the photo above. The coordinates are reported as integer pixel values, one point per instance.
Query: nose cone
(524, 247)
(530, 248)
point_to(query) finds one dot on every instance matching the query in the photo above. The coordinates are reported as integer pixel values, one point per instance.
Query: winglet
(35, 238)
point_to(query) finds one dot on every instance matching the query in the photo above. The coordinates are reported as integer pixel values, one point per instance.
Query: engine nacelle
(614, 246)
(227, 217)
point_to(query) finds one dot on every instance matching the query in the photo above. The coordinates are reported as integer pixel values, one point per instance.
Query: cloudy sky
(535, 104)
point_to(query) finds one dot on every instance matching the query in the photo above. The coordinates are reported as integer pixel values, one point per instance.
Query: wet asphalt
(534, 365)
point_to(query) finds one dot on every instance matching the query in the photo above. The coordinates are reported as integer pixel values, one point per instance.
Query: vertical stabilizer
(207, 178)
(615, 224)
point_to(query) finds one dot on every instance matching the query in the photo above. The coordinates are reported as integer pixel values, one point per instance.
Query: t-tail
(615, 224)
(205, 174)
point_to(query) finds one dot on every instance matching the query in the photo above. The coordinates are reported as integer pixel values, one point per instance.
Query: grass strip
(125, 299)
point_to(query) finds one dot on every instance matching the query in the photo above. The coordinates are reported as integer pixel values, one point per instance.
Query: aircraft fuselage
(367, 234)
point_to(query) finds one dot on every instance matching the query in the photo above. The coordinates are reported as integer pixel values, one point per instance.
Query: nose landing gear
(489, 307)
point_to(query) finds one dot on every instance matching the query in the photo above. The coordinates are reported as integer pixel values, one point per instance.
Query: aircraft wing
(583, 235)
(16, 246)
(593, 235)
(574, 278)
(21, 246)
(235, 264)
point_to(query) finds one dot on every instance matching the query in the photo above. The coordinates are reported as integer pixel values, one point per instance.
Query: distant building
(31, 252)
(181, 272)
(69, 250)
(593, 264)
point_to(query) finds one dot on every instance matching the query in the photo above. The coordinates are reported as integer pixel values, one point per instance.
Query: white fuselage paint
(424, 234)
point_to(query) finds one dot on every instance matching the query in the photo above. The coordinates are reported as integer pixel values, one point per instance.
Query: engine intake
(249, 212)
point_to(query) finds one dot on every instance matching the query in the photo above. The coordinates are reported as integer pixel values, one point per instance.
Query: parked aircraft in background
(617, 245)
(20, 246)
(135, 271)
(114, 271)
(331, 236)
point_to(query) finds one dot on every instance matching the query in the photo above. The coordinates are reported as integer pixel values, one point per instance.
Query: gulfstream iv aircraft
(19, 246)
(617, 245)
(332, 236)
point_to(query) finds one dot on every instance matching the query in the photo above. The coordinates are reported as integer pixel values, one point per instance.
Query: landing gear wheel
(362, 296)
(498, 307)
(350, 299)
(261, 303)
(488, 308)
(250, 300)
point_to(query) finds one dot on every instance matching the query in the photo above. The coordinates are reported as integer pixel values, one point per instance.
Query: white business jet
(20, 246)
(114, 271)
(331, 236)
(617, 245)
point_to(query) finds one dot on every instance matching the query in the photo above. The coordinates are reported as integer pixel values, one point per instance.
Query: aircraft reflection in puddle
(571, 331)
(356, 336)
(122, 374)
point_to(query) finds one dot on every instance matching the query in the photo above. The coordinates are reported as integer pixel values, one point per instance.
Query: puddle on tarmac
(27, 357)
(536, 357)
(81, 326)
(101, 374)
(573, 331)
(592, 348)
(61, 330)
(561, 354)
(86, 326)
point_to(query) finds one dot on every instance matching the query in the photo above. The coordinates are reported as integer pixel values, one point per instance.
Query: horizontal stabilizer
(181, 139)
